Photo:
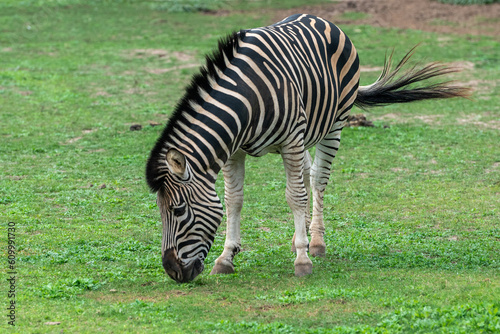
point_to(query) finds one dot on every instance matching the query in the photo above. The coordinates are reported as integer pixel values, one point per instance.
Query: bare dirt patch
(398, 117)
(399, 170)
(101, 93)
(475, 119)
(170, 69)
(15, 177)
(177, 60)
(494, 167)
(160, 53)
(427, 15)
(482, 88)
(429, 119)
(75, 139)
(462, 65)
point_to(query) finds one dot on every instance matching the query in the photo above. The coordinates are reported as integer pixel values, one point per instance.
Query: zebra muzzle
(179, 272)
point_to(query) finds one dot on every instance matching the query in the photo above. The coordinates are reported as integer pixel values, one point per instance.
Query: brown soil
(168, 55)
(427, 15)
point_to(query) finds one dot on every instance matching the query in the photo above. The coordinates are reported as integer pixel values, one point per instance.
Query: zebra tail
(389, 89)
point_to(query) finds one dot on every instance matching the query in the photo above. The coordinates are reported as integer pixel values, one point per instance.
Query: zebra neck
(209, 133)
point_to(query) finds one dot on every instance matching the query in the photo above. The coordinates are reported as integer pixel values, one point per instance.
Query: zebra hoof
(317, 250)
(222, 269)
(303, 269)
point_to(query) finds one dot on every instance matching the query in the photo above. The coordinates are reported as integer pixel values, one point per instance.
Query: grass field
(412, 210)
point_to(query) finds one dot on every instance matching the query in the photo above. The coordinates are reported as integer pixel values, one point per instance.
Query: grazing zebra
(278, 89)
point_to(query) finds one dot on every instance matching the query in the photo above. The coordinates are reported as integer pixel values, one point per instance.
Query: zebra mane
(214, 62)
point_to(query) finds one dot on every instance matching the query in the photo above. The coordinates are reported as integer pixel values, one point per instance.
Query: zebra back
(257, 89)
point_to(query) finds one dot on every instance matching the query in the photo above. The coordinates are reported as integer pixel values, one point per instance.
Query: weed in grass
(66, 288)
(305, 295)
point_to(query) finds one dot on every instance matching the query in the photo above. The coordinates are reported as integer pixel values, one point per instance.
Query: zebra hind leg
(320, 174)
(297, 198)
(234, 174)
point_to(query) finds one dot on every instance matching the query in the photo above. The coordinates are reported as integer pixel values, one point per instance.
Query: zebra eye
(179, 210)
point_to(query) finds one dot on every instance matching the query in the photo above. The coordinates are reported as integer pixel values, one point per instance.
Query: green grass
(412, 210)
(354, 16)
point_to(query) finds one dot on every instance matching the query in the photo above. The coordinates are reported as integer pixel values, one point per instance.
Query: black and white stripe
(277, 89)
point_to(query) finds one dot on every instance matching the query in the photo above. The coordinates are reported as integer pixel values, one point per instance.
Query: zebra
(282, 89)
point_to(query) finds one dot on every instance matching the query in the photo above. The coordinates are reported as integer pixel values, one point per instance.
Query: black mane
(214, 61)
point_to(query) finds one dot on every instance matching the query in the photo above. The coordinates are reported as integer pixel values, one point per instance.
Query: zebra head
(190, 211)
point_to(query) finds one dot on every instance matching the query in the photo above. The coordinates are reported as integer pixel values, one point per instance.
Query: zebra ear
(177, 164)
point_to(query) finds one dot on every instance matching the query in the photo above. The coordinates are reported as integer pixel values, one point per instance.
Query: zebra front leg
(307, 184)
(234, 175)
(297, 198)
(320, 174)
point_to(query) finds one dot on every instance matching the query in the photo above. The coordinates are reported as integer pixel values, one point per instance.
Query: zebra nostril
(195, 268)
(173, 275)
(179, 271)
(198, 265)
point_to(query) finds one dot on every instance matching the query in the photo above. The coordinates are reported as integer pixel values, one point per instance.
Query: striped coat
(277, 89)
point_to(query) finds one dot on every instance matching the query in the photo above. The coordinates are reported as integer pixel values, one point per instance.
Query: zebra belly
(315, 135)
(276, 149)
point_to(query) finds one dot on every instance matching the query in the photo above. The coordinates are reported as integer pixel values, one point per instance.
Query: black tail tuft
(388, 89)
